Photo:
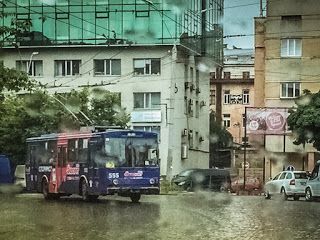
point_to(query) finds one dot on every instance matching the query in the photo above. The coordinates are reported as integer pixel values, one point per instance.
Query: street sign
(247, 165)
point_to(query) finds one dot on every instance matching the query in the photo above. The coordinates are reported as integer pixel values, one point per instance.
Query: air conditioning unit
(184, 132)
(184, 151)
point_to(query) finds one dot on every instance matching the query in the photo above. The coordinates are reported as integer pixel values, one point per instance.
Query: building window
(197, 109)
(226, 97)
(105, 67)
(226, 120)
(191, 74)
(67, 67)
(34, 68)
(142, 13)
(190, 138)
(146, 66)
(245, 96)
(245, 75)
(212, 96)
(146, 100)
(226, 75)
(291, 47)
(290, 90)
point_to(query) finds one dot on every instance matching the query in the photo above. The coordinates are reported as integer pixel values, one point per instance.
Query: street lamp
(30, 61)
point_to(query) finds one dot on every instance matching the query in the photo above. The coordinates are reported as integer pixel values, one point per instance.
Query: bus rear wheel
(45, 191)
(135, 197)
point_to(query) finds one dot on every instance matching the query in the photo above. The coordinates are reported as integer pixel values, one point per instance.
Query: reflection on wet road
(184, 216)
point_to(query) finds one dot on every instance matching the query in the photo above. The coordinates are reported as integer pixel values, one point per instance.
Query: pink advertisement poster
(269, 121)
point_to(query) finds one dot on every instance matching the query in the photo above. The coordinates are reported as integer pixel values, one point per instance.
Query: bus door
(61, 168)
(31, 169)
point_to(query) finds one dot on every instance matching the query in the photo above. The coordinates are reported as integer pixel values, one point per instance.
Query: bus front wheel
(135, 197)
(85, 193)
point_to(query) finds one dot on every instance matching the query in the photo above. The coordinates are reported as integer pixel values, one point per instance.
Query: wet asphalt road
(182, 216)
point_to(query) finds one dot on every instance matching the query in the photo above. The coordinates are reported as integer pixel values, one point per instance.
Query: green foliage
(304, 121)
(220, 138)
(13, 80)
(39, 113)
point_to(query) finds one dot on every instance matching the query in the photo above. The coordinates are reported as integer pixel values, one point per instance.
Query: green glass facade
(114, 22)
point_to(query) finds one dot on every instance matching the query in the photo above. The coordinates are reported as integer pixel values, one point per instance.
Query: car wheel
(296, 198)
(284, 194)
(189, 188)
(267, 195)
(309, 196)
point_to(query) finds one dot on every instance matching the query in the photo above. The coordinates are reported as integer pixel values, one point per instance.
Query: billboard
(269, 121)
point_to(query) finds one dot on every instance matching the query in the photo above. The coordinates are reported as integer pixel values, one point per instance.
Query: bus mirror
(152, 153)
(52, 161)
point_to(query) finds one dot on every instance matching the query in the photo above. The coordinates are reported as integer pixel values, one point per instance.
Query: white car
(20, 176)
(287, 183)
(313, 183)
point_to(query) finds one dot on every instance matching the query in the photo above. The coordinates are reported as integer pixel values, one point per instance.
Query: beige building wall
(287, 20)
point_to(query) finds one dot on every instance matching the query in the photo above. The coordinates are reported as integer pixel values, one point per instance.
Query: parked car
(210, 179)
(20, 176)
(313, 184)
(253, 185)
(287, 183)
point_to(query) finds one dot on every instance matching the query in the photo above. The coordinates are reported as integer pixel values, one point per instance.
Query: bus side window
(32, 154)
(83, 150)
(52, 152)
(72, 150)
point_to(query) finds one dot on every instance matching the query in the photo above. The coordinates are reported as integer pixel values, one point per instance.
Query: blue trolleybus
(122, 162)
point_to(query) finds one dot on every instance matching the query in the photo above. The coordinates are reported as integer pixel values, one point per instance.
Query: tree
(39, 113)
(304, 120)
(11, 79)
(220, 139)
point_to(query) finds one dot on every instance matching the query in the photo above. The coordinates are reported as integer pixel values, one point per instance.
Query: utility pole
(203, 27)
(261, 9)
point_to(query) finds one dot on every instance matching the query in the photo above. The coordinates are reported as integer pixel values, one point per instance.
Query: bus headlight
(152, 181)
(115, 181)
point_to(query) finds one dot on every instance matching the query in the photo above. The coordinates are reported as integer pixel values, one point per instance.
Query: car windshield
(300, 175)
(185, 173)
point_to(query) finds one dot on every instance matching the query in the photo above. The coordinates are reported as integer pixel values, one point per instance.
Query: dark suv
(209, 179)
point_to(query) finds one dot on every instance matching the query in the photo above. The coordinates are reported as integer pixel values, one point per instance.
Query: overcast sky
(238, 19)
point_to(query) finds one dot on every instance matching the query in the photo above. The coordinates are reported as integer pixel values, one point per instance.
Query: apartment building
(154, 54)
(287, 61)
(231, 91)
